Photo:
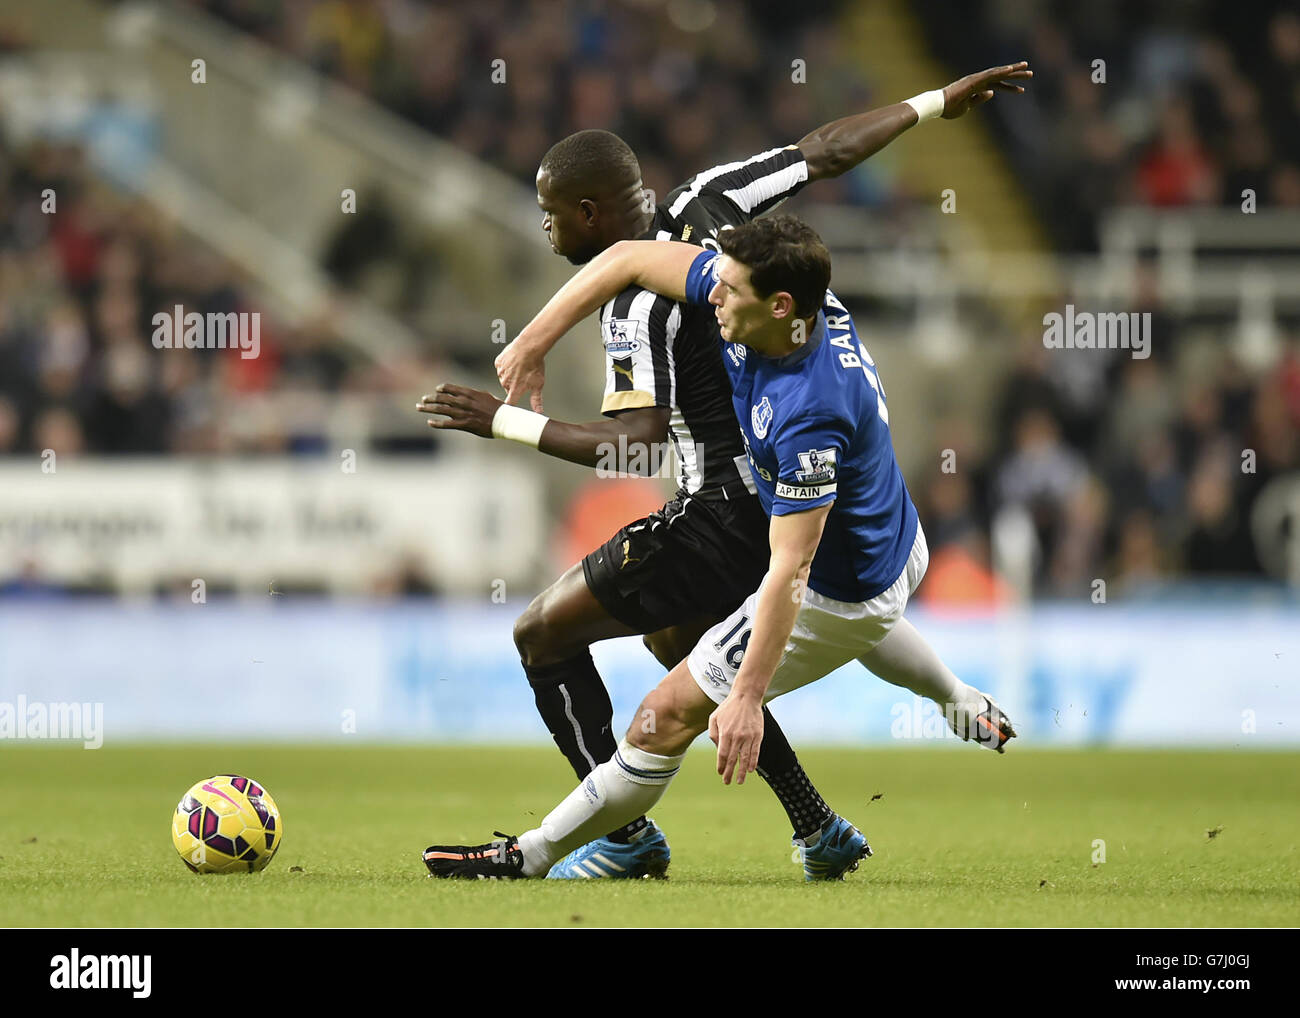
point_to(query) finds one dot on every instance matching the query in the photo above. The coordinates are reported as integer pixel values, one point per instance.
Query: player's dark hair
(592, 164)
(782, 253)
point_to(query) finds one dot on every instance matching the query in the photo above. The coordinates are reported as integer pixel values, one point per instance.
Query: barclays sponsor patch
(621, 336)
(818, 466)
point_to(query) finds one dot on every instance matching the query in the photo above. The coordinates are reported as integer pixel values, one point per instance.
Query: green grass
(962, 837)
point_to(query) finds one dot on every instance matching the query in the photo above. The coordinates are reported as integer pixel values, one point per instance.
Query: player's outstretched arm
(837, 147)
(655, 265)
(737, 725)
(595, 444)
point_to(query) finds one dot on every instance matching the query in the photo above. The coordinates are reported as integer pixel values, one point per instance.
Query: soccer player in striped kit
(674, 574)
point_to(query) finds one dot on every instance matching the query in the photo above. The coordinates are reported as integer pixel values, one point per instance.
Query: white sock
(611, 796)
(905, 659)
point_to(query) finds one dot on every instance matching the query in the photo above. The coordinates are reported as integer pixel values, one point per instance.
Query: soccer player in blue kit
(676, 572)
(847, 550)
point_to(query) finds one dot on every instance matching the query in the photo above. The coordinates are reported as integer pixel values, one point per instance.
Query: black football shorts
(697, 557)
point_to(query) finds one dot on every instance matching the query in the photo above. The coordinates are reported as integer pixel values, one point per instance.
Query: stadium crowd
(1132, 471)
(83, 270)
(681, 83)
(1128, 469)
(1144, 102)
(1141, 470)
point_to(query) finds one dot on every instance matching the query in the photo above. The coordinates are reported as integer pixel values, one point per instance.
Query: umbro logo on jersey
(760, 417)
(620, 336)
(818, 466)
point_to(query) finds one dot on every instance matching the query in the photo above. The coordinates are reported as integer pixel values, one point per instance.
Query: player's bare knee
(540, 638)
(534, 637)
(525, 627)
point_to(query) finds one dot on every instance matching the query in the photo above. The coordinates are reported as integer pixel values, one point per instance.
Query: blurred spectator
(959, 575)
(1176, 169)
(1218, 539)
(9, 424)
(58, 430)
(405, 577)
(1139, 561)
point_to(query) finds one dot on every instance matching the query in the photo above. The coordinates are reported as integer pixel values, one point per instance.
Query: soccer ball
(227, 824)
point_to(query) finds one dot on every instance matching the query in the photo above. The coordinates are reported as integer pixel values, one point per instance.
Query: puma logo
(623, 369)
(627, 547)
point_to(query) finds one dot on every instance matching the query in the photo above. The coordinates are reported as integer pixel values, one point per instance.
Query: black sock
(574, 703)
(779, 767)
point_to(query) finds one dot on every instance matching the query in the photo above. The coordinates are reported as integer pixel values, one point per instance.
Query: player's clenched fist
(521, 370)
(465, 409)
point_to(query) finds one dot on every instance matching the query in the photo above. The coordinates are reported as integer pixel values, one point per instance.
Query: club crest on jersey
(818, 466)
(760, 417)
(620, 336)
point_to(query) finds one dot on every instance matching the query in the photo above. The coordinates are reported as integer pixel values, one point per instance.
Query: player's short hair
(782, 253)
(592, 164)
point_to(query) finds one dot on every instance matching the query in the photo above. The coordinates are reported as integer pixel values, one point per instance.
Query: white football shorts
(827, 633)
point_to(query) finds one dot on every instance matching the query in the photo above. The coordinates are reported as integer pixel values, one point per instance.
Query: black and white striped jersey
(662, 353)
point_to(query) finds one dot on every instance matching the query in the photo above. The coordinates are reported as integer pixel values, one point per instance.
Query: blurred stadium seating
(1170, 187)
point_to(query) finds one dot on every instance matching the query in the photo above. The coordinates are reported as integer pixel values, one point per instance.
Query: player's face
(565, 223)
(740, 312)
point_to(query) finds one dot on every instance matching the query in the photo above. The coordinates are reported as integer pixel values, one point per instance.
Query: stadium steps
(255, 159)
(993, 216)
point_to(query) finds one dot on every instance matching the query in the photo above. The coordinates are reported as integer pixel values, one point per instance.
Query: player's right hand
(520, 370)
(737, 729)
(465, 409)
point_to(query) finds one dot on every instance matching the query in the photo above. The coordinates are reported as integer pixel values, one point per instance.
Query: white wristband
(518, 425)
(928, 105)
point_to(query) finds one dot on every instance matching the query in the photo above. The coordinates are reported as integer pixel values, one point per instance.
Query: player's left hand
(466, 409)
(976, 89)
(737, 727)
(521, 370)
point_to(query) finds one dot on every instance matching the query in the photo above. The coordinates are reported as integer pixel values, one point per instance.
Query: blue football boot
(646, 854)
(833, 851)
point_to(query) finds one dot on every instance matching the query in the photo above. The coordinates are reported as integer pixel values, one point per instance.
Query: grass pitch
(962, 837)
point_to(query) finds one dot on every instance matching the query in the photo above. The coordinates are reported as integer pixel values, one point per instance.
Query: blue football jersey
(816, 429)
